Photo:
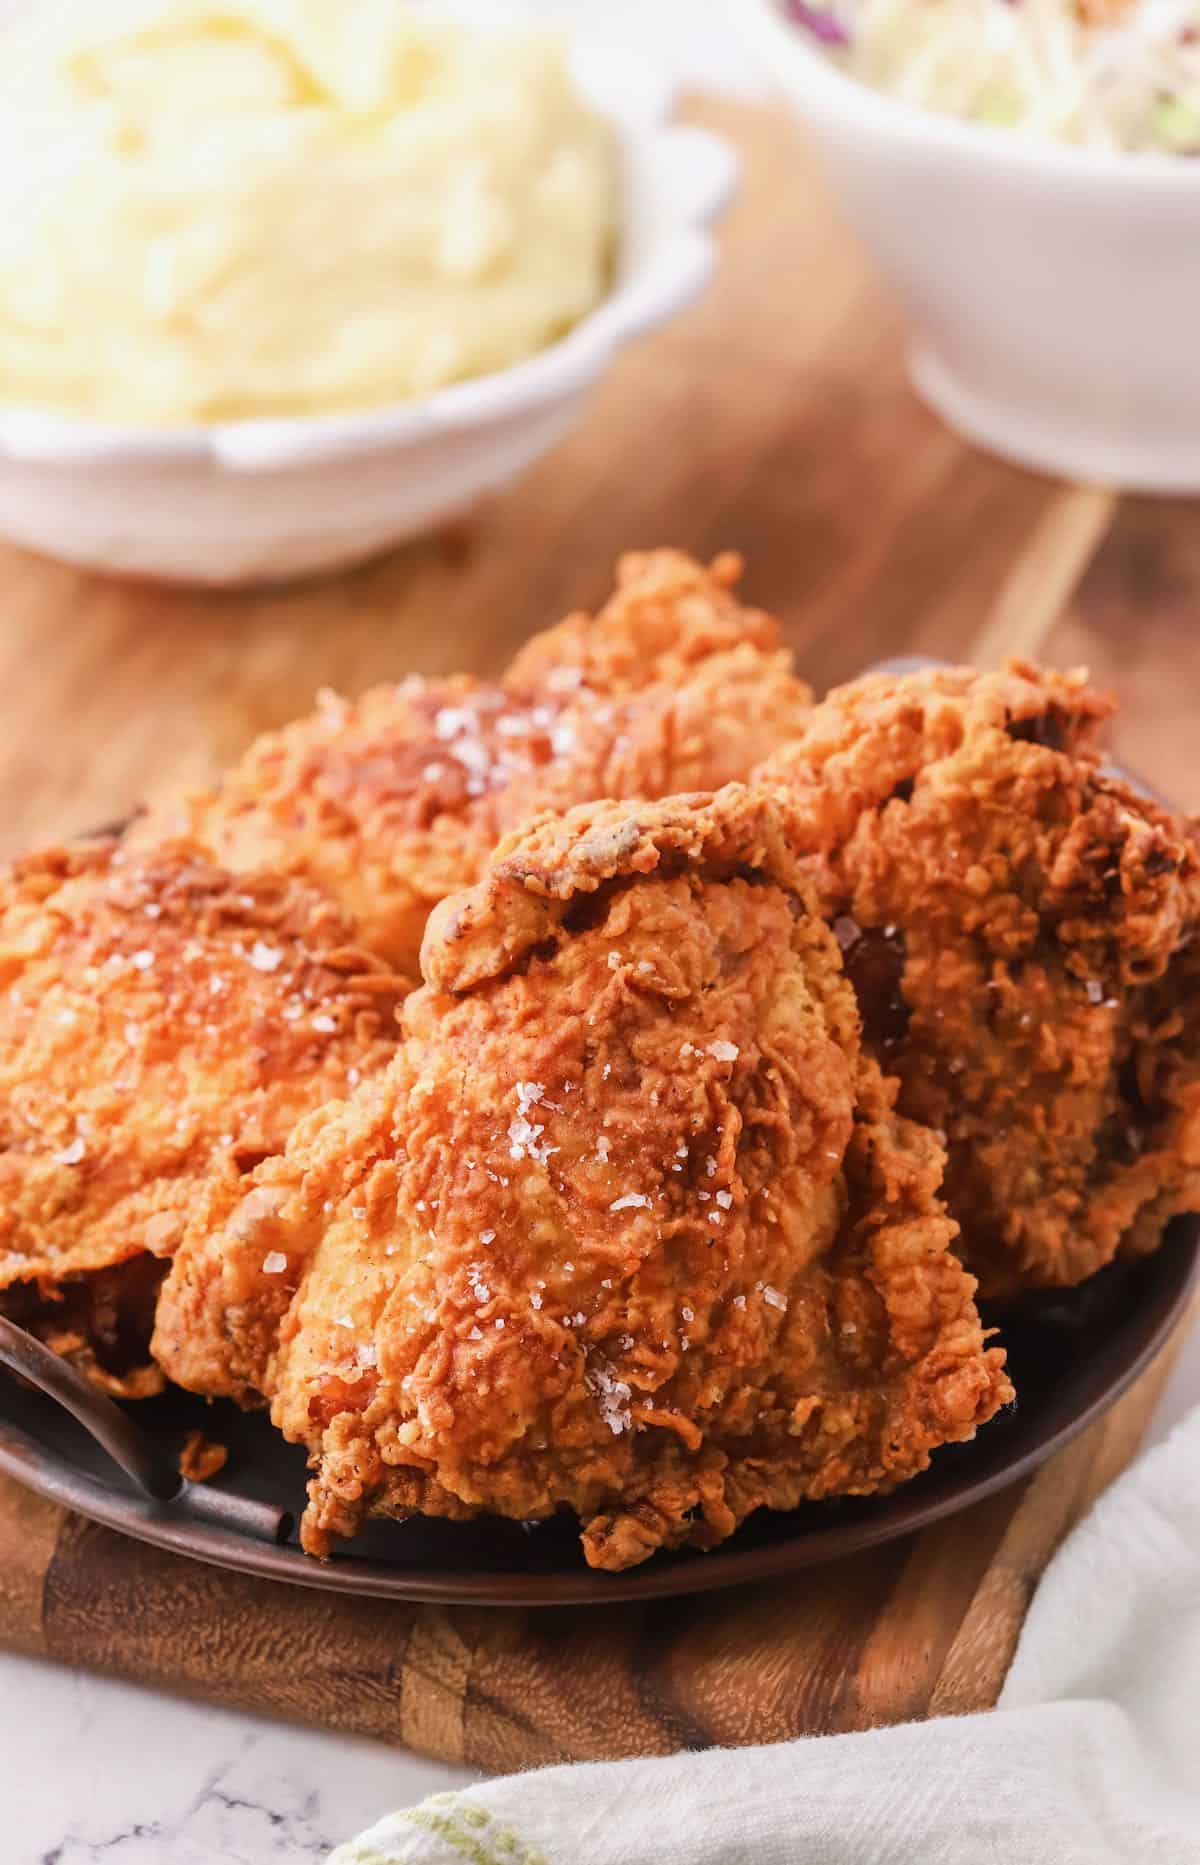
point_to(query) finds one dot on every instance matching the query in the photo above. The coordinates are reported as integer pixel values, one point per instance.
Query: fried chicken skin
(395, 800)
(668, 616)
(162, 1024)
(706, 679)
(1022, 932)
(628, 1227)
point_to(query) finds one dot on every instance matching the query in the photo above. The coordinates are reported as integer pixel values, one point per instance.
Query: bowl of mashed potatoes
(283, 282)
(1025, 175)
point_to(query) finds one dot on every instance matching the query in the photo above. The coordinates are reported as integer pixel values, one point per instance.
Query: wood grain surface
(774, 418)
(924, 1625)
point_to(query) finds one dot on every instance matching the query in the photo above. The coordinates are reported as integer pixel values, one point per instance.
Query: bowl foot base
(1044, 442)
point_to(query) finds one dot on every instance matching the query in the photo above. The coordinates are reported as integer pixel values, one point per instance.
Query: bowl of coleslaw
(1026, 174)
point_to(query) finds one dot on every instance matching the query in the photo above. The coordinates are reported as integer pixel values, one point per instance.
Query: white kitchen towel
(1091, 1758)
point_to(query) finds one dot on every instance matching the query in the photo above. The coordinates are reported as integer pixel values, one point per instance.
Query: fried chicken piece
(161, 1024)
(396, 800)
(628, 1227)
(201, 1458)
(1022, 932)
(697, 679)
(667, 617)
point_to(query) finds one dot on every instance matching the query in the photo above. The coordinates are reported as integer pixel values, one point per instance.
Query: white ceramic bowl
(256, 501)
(1052, 293)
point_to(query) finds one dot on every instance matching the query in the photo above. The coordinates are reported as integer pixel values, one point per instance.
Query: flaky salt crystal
(612, 1395)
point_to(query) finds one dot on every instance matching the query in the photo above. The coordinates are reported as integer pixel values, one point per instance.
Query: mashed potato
(271, 207)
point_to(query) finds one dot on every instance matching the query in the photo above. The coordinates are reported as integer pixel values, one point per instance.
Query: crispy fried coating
(628, 1227)
(396, 800)
(667, 616)
(870, 739)
(201, 1458)
(1022, 932)
(161, 1024)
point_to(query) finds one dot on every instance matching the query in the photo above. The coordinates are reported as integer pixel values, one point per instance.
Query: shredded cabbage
(1110, 74)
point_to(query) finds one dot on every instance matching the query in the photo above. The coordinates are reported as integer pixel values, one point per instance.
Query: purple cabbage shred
(815, 19)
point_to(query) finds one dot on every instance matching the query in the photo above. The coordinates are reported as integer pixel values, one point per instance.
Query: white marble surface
(94, 1772)
(100, 1773)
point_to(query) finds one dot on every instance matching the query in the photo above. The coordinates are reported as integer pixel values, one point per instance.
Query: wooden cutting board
(774, 418)
(925, 1626)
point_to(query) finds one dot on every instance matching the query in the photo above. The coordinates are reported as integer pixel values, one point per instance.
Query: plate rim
(22, 1458)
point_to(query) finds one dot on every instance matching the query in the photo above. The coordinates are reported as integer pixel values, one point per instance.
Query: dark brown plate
(1071, 1357)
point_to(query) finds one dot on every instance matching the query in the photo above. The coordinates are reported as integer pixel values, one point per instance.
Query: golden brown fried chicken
(161, 1025)
(1021, 930)
(667, 616)
(394, 801)
(628, 1227)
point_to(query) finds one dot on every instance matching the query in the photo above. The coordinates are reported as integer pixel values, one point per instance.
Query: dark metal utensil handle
(148, 1464)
